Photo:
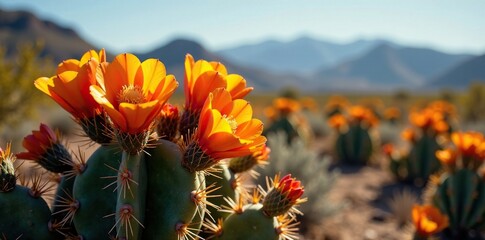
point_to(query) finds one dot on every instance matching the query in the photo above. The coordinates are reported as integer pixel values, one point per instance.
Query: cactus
(138, 185)
(95, 180)
(26, 215)
(459, 192)
(420, 162)
(271, 219)
(354, 144)
(289, 120)
(416, 166)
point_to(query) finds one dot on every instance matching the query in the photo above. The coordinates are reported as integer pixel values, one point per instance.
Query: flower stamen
(131, 94)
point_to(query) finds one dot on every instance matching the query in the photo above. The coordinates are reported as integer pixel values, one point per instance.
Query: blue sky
(129, 25)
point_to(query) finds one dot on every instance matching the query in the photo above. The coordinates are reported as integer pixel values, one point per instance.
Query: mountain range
(307, 63)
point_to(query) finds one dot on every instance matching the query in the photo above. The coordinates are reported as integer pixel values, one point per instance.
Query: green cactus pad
(97, 202)
(169, 189)
(60, 208)
(354, 146)
(250, 224)
(24, 216)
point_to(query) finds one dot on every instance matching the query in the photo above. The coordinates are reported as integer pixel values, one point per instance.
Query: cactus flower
(7, 170)
(428, 220)
(70, 89)
(201, 78)
(467, 142)
(447, 157)
(45, 148)
(226, 130)
(409, 134)
(70, 86)
(134, 92)
(286, 193)
(337, 121)
(286, 106)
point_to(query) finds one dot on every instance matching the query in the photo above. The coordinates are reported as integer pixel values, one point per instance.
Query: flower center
(131, 94)
(232, 122)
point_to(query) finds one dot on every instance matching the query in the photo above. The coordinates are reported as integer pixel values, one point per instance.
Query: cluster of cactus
(284, 116)
(155, 173)
(459, 192)
(354, 143)
(417, 164)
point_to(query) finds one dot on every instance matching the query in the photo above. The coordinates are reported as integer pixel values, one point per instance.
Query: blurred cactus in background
(459, 192)
(428, 126)
(288, 119)
(354, 144)
(155, 174)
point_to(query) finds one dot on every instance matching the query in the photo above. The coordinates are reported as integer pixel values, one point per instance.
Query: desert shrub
(475, 103)
(17, 76)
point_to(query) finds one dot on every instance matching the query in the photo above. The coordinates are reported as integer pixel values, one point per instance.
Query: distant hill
(173, 56)
(462, 75)
(304, 55)
(306, 63)
(388, 67)
(17, 27)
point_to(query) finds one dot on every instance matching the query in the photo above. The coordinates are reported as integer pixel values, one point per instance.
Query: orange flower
(70, 86)
(447, 157)
(408, 134)
(226, 127)
(428, 220)
(425, 118)
(467, 142)
(134, 92)
(202, 77)
(285, 105)
(337, 121)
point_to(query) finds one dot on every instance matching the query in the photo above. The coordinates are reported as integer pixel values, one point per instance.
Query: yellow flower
(428, 220)
(226, 127)
(70, 86)
(467, 142)
(134, 92)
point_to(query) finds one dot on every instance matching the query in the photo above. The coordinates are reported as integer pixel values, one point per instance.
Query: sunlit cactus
(25, 213)
(150, 176)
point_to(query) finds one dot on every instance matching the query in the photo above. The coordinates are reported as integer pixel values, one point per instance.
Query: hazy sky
(129, 25)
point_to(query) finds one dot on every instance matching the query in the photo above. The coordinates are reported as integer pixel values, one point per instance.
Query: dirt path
(366, 215)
